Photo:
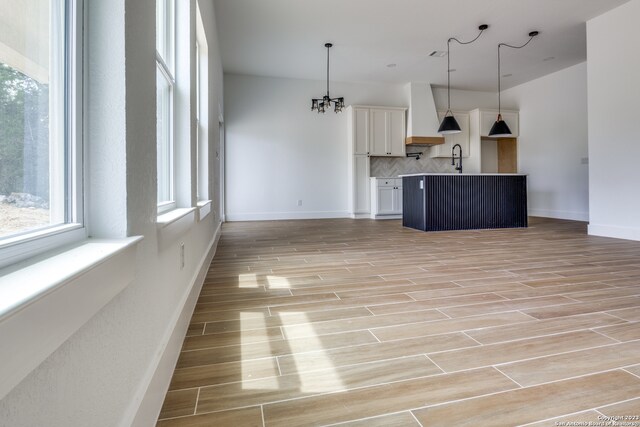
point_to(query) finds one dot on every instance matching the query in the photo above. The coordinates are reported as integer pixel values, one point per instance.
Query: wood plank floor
(365, 323)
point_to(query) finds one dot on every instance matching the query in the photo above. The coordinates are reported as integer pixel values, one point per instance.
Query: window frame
(164, 67)
(203, 192)
(23, 245)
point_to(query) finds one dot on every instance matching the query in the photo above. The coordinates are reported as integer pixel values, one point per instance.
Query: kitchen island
(438, 202)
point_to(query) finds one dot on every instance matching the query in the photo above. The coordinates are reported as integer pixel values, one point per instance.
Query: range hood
(422, 121)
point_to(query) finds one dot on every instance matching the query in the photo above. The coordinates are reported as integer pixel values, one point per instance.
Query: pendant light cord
(482, 28)
(531, 36)
(499, 84)
(328, 70)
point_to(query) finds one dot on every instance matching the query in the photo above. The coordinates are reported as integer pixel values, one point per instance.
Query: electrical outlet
(584, 161)
(181, 256)
(299, 202)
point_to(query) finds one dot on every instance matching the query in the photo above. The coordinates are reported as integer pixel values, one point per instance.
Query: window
(202, 111)
(199, 193)
(40, 125)
(165, 47)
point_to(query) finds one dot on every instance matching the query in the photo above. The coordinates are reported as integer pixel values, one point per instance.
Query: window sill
(174, 224)
(204, 209)
(15, 250)
(42, 304)
(172, 216)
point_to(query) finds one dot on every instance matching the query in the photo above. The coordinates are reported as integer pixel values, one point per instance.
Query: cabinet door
(397, 133)
(512, 120)
(397, 200)
(386, 196)
(361, 187)
(361, 130)
(378, 135)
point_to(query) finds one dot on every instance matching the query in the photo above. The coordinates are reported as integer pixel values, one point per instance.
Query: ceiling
(285, 38)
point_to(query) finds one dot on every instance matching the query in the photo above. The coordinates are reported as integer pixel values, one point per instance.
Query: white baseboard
(156, 381)
(616, 232)
(268, 216)
(385, 216)
(575, 216)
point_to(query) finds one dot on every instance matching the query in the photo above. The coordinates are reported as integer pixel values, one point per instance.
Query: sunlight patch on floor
(277, 282)
(248, 280)
(315, 382)
(248, 320)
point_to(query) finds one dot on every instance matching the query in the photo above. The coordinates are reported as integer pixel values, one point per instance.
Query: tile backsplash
(393, 166)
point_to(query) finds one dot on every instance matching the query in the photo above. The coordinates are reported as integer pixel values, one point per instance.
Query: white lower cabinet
(386, 198)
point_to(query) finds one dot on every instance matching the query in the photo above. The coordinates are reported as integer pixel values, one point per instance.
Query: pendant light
(500, 128)
(449, 123)
(324, 103)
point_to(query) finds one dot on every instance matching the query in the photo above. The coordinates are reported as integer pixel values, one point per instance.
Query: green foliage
(24, 134)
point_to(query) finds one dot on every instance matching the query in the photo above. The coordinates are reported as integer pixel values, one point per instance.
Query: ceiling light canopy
(500, 129)
(449, 123)
(324, 103)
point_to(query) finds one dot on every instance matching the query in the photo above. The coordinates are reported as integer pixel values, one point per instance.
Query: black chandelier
(324, 103)
(500, 129)
(449, 123)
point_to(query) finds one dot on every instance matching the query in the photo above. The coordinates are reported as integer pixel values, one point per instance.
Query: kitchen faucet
(453, 157)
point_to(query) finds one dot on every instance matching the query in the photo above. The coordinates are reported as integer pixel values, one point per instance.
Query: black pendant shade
(449, 125)
(500, 129)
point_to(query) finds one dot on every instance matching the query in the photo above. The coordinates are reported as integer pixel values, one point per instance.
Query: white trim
(24, 246)
(174, 225)
(379, 216)
(70, 287)
(204, 209)
(574, 216)
(627, 233)
(172, 216)
(145, 407)
(221, 161)
(267, 216)
(79, 78)
(360, 216)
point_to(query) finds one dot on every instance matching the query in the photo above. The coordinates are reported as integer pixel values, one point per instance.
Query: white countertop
(464, 174)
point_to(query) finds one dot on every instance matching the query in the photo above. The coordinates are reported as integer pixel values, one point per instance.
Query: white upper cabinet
(361, 130)
(488, 118)
(462, 138)
(397, 132)
(387, 132)
(379, 134)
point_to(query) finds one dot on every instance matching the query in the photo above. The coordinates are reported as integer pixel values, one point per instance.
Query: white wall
(278, 151)
(465, 100)
(116, 368)
(489, 156)
(614, 135)
(553, 142)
